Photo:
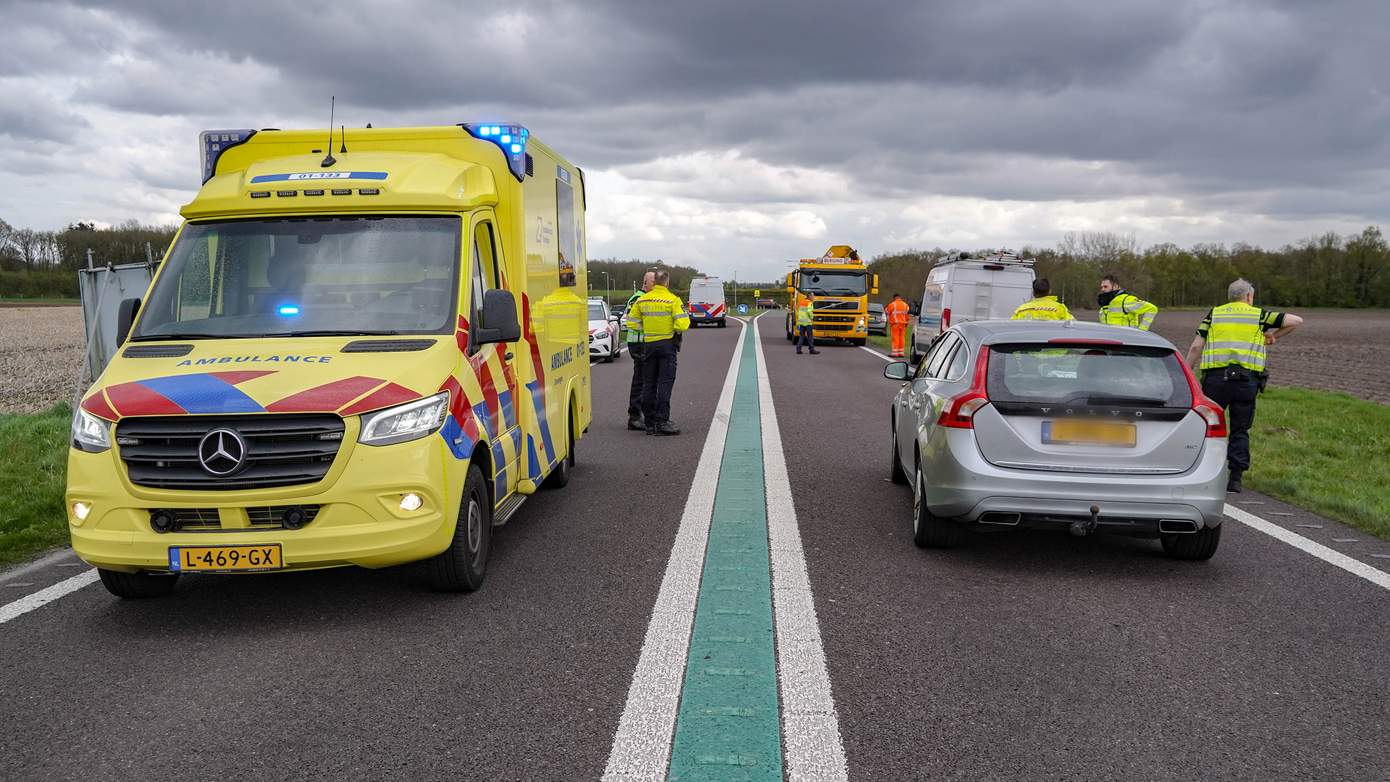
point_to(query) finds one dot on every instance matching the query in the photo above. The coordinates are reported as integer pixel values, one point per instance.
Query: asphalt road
(1019, 656)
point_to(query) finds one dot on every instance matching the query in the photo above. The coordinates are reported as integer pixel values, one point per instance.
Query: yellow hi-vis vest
(1042, 308)
(1126, 309)
(1235, 337)
(658, 314)
(804, 314)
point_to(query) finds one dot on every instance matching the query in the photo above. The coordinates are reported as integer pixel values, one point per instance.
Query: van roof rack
(1001, 256)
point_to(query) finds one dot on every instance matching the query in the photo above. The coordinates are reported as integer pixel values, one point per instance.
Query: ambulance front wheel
(461, 567)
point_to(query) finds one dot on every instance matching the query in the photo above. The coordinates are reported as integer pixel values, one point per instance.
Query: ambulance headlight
(402, 423)
(89, 433)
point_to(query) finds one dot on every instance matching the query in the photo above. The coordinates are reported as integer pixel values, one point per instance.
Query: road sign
(757, 293)
(743, 309)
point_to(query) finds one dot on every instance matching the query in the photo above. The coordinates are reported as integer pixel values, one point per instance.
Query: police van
(707, 304)
(962, 287)
(366, 352)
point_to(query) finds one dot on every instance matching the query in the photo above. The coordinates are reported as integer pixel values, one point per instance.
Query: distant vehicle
(707, 301)
(603, 332)
(1058, 425)
(766, 304)
(962, 288)
(878, 319)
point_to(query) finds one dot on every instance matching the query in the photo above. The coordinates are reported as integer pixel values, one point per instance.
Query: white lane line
(43, 597)
(883, 356)
(1356, 567)
(810, 727)
(642, 743)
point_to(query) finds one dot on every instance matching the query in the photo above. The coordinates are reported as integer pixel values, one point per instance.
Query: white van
(962, 288)
(707, 301)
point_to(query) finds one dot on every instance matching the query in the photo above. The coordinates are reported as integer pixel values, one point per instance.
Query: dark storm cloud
(1011, 99)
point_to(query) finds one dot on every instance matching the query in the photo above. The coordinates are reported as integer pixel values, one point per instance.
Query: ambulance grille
(281, 450)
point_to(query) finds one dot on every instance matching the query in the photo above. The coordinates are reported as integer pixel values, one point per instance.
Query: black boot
(1233, 483)
(664, 429)
(634, 422)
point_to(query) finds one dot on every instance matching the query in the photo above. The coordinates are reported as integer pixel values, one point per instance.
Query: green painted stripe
(728, 726)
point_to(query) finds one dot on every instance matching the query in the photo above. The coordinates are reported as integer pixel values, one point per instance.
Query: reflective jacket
(658, 314)
(804, 314)
(1042, 308)
(897, 313)
(633, 335)
(1235, 334)
(1126, 309)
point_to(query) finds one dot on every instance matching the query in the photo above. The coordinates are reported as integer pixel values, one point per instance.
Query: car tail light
(1210, 411)
(945, 319)
(959, 412)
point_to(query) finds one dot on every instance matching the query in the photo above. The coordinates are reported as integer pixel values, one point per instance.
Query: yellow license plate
(1088, 433)
(224, 558)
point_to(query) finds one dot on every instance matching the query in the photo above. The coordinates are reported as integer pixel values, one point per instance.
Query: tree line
(36, 264)
(1329, 270)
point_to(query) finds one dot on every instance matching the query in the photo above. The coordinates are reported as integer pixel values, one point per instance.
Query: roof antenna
(342, 138)
(332, 107)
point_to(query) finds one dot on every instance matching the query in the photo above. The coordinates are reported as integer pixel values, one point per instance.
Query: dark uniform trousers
(805, 336)
(634, 394)
(1235, 389)
(658, 377)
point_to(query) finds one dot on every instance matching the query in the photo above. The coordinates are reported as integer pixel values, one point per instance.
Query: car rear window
(1110, 375)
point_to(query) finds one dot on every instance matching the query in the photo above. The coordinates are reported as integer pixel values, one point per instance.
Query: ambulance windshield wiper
(173, 337)
(333, 333)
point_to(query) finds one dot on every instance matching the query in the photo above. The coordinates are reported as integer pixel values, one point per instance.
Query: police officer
(805, 323)
(635, 349)
(1119, 307)
(661, 318)
(1043, 305)
(1231, 344)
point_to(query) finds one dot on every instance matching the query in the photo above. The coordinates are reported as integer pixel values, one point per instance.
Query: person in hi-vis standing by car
(897, 312)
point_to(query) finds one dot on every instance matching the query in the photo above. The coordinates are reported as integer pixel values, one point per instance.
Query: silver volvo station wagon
(1063, 425)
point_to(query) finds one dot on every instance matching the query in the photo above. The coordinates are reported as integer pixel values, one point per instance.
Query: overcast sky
(734, 135)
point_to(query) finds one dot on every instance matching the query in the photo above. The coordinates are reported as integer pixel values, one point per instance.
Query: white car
(603, 332)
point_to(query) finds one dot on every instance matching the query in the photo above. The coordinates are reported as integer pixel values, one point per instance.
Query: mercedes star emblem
(221, 452)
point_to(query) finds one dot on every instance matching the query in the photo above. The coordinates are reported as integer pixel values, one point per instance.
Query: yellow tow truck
(839, 285)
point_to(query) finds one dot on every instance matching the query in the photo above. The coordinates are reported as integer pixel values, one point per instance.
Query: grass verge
(6, 301)
(33, 469)
(1324, 451)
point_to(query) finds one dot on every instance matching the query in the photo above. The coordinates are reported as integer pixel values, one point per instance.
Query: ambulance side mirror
(125, 318)
(498, 322)
(874, 288)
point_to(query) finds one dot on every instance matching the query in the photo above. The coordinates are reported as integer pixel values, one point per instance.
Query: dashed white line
(642, 743)
(811, 742)
(43, 597)
(1356, 567)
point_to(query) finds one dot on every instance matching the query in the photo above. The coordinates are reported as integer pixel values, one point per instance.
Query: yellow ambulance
(366, 349)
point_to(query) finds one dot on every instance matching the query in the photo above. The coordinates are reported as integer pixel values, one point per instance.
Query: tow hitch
(1083, 528)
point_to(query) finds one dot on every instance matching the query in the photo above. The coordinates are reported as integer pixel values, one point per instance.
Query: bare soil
(41, 353)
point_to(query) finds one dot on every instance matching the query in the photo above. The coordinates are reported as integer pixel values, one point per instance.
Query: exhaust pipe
(1000, 518)
(1177, 526)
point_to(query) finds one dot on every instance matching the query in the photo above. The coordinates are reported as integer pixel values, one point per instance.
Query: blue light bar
(511, 139)
(212, 143)
(288, 310)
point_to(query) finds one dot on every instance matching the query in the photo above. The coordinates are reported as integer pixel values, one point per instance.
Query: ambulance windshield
(836, 283)
(307, 277)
